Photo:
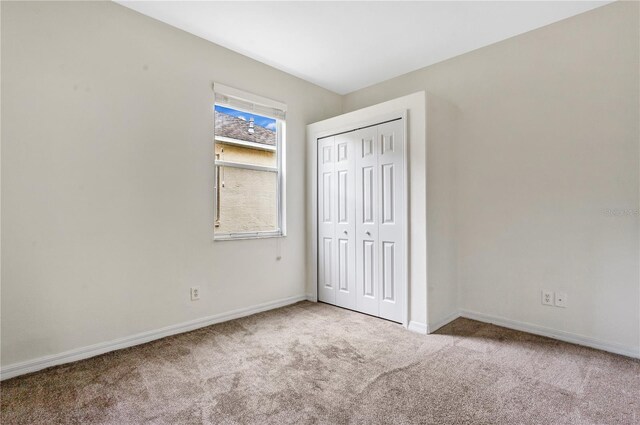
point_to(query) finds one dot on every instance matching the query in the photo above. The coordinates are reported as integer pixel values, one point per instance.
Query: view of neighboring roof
(239, 129)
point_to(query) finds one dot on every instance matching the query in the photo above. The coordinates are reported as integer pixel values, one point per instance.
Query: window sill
(242, 237)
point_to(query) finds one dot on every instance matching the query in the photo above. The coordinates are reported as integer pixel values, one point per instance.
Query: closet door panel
(345, 220)
(391, 146)
(367, 198)
(327, 249)
(388, 271)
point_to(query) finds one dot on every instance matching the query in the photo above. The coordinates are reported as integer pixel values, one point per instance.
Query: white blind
(233, 98)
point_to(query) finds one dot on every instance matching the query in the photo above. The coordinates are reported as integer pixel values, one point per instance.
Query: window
(249, 165)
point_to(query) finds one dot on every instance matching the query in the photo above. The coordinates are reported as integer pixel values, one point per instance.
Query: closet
(361, 220)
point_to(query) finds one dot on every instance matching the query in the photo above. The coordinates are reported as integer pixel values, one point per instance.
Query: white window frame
(248, 102)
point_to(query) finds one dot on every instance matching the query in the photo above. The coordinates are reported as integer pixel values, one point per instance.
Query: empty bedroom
(320, 212)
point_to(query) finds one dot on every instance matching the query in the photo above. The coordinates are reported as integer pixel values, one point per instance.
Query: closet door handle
(368, 233)
(345, 232)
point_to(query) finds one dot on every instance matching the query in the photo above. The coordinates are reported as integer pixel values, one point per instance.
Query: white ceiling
(345, 46)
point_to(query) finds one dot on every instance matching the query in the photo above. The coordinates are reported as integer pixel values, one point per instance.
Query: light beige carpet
(317, 364)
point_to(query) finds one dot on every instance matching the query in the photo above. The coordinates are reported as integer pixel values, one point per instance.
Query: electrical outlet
(547, 297)
(195, 293)
(561, 299)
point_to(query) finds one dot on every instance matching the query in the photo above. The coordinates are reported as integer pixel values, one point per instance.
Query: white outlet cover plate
(547, 297)
(195, 293)
(561, 299)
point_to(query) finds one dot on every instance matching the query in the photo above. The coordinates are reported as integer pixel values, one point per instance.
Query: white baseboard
(312, 297)
(34, 365)
(418, 327)
(431, 328)
(553, 333)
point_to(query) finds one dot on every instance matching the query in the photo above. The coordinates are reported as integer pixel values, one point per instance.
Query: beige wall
(107, 178)
(443, 120)
(548, 139)
(235, 153)
(247, 197)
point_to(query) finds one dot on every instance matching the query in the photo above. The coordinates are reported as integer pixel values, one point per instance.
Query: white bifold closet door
(336, 220)
(361, 220)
